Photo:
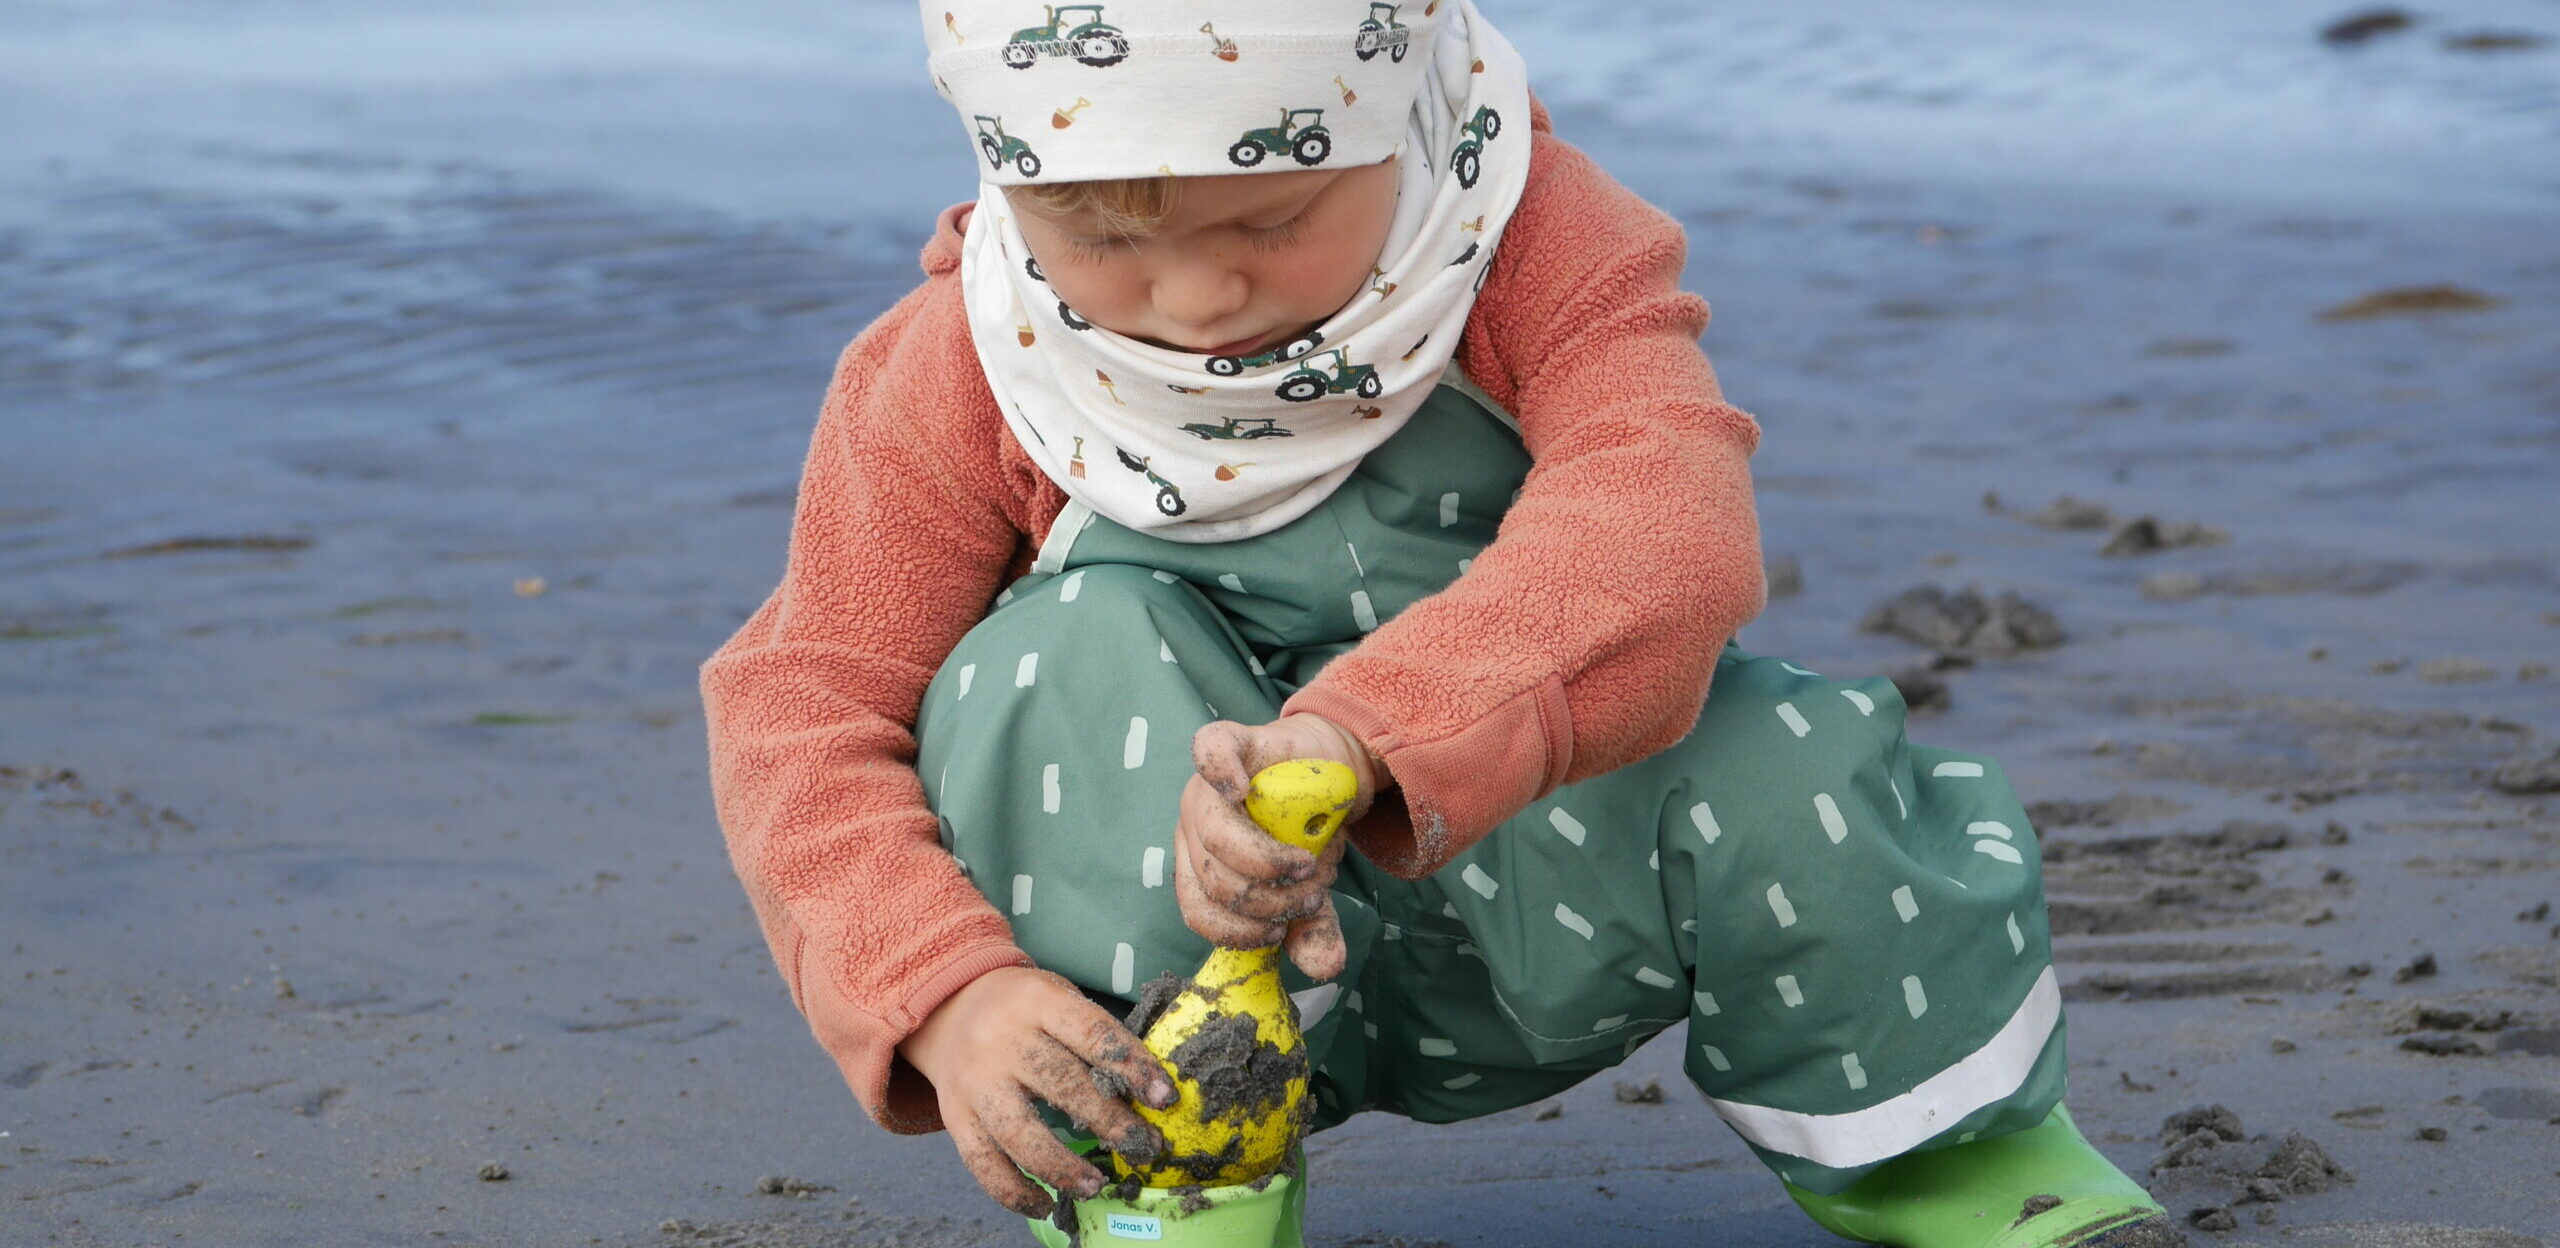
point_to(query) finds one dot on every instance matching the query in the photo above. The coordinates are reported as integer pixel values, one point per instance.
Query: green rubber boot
(2044, 1187)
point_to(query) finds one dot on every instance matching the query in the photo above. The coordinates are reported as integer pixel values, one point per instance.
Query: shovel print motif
(1223, 49)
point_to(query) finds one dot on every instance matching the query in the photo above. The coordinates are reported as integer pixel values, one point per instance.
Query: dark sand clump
(1964, 620)
(2529, 775)
(2145, 535)
(1240, 1075)
(1153, 996)
(2210, 1166)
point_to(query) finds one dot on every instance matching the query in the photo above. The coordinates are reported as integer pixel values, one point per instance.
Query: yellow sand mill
(1230, 1036)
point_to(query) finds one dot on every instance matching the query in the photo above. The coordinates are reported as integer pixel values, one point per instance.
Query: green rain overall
(1853, 926)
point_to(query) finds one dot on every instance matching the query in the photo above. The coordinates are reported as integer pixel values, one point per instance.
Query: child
(1293, 392)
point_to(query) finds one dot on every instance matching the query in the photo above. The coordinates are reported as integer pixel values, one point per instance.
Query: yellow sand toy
(1230, 1035)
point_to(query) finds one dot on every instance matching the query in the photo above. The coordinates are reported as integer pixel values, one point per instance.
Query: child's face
(1242, 262)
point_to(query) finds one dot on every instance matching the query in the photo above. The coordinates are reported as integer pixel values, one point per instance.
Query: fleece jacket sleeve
(1584, 636)
(812, 707)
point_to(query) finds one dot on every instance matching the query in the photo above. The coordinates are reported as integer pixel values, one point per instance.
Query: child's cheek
(1318, 281)
(1101, 291)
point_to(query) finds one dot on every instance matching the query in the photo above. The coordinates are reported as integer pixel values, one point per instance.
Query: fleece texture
(1581, 639)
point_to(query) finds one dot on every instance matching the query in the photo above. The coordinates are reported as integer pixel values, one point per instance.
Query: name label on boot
(1133, 1226)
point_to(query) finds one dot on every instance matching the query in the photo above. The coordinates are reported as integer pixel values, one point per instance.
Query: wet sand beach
(398, 409)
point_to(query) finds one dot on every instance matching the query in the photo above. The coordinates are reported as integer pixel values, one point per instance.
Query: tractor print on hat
(1306, 140)
(1168, 495)
(1240, 427)
(1231, 365)
(1478, 131)
(1307, 382)
(1092, 40)
(1001, 147)
(1381, 32)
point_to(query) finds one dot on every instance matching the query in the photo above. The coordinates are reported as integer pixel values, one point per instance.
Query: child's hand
(1240, 888)
(1016, 1034)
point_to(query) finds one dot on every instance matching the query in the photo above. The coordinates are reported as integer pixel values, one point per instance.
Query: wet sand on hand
(400, 409)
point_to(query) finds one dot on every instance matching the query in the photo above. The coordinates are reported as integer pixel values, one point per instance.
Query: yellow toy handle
(1303, 801)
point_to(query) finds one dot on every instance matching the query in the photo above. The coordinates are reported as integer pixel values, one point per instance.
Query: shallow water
(552, 289)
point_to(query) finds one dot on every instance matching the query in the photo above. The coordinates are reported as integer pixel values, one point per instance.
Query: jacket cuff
(865, 1044)
(1454, 789)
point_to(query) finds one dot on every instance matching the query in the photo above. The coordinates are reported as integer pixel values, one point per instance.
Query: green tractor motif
(1306, 382)
(1231, 365)
(1241, 427)
(1308, 141)
(1380, 31)
(1001, 147)
(1066, 315)
(1092, 41)
(1168, 495)
(1478, 131)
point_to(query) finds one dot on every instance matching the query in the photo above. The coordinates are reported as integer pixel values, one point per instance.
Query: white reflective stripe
(1892, 1127)
(1315, 1003)
(1969, 770)
(1062, 537)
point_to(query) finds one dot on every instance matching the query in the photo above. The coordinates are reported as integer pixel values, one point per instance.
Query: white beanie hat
(1137, 88)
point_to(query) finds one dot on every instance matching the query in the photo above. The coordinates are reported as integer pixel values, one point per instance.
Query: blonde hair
(1122, 207)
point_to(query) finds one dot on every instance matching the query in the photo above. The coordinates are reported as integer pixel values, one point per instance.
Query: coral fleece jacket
(1581, 639)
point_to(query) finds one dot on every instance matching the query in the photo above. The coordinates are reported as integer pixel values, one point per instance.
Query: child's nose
(1199, 295)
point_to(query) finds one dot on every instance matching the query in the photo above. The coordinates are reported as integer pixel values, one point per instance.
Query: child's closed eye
(1086, 250)
(1273, 238)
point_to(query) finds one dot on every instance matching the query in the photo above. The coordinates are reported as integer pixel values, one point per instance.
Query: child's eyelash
(1086, 251)
(1272, 238)
(1280, 235)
